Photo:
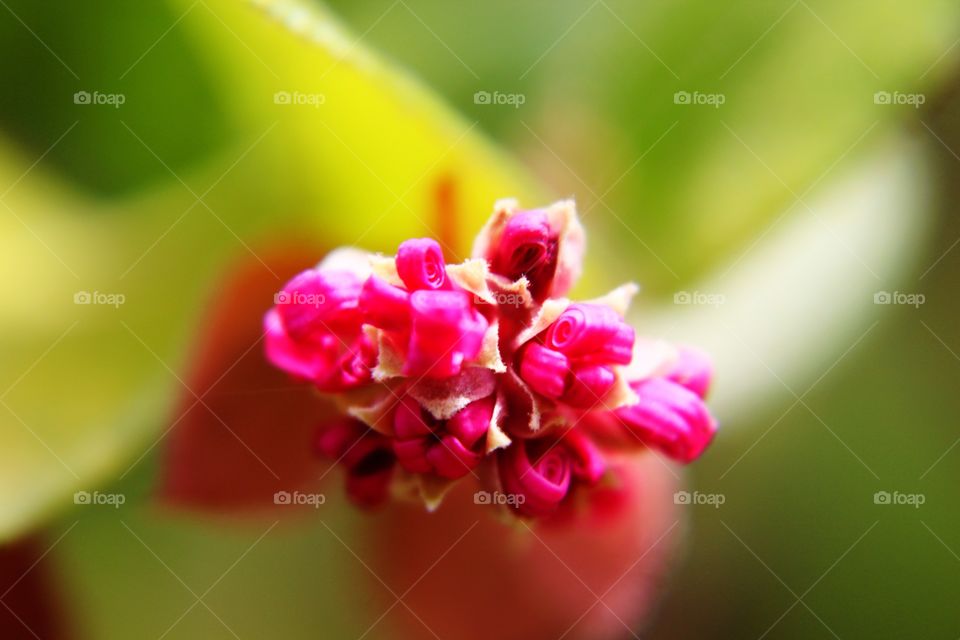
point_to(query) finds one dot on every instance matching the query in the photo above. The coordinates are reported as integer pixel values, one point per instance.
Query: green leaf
(85, 387)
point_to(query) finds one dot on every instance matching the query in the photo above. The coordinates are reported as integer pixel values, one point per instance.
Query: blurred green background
(827, 174)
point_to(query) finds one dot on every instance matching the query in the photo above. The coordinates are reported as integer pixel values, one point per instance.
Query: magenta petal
(412, 454)
(304, 361)
(420, 264)
(528, 247)
(337, 437)
(588, 462)
(545, 370)
(472, 422)
(385, 306)
(319, 301)
(450, 459)
(446, 331)
(543, 484)
(370, 464)
(671, 418)
(589, 385)
(408, 421)
(593, 332)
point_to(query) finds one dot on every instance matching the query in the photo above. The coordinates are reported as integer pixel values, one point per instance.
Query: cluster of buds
(484, 368)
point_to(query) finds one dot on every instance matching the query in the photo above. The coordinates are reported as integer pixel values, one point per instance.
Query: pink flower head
(314, 330)
(449, 448)
(539, 474)
(490, 364)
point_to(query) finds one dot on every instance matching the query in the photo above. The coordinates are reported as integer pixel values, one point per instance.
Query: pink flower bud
(693, 370)
(539, 471)
(366, 456)
(385, 306)
(446, 332)
(593, 333)
(669, 417)
(528, 247)
(545, 370)
(314, 330)
(588, 463)
(451, 448)
(420, 264)
(588, 386)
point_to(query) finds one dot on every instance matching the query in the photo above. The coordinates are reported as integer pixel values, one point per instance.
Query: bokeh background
(781, 178)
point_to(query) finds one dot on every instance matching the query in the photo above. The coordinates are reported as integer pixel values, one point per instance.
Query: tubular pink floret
(693, 370)
(545, 370)
(420, 264)
(385, 306)
(314, 330)
(669, 417)
(364, 454)
(449, 449)
(446, 331)
(592, 332)
(588, 463)
(539, 472)
(528, 247)
(589, 385)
